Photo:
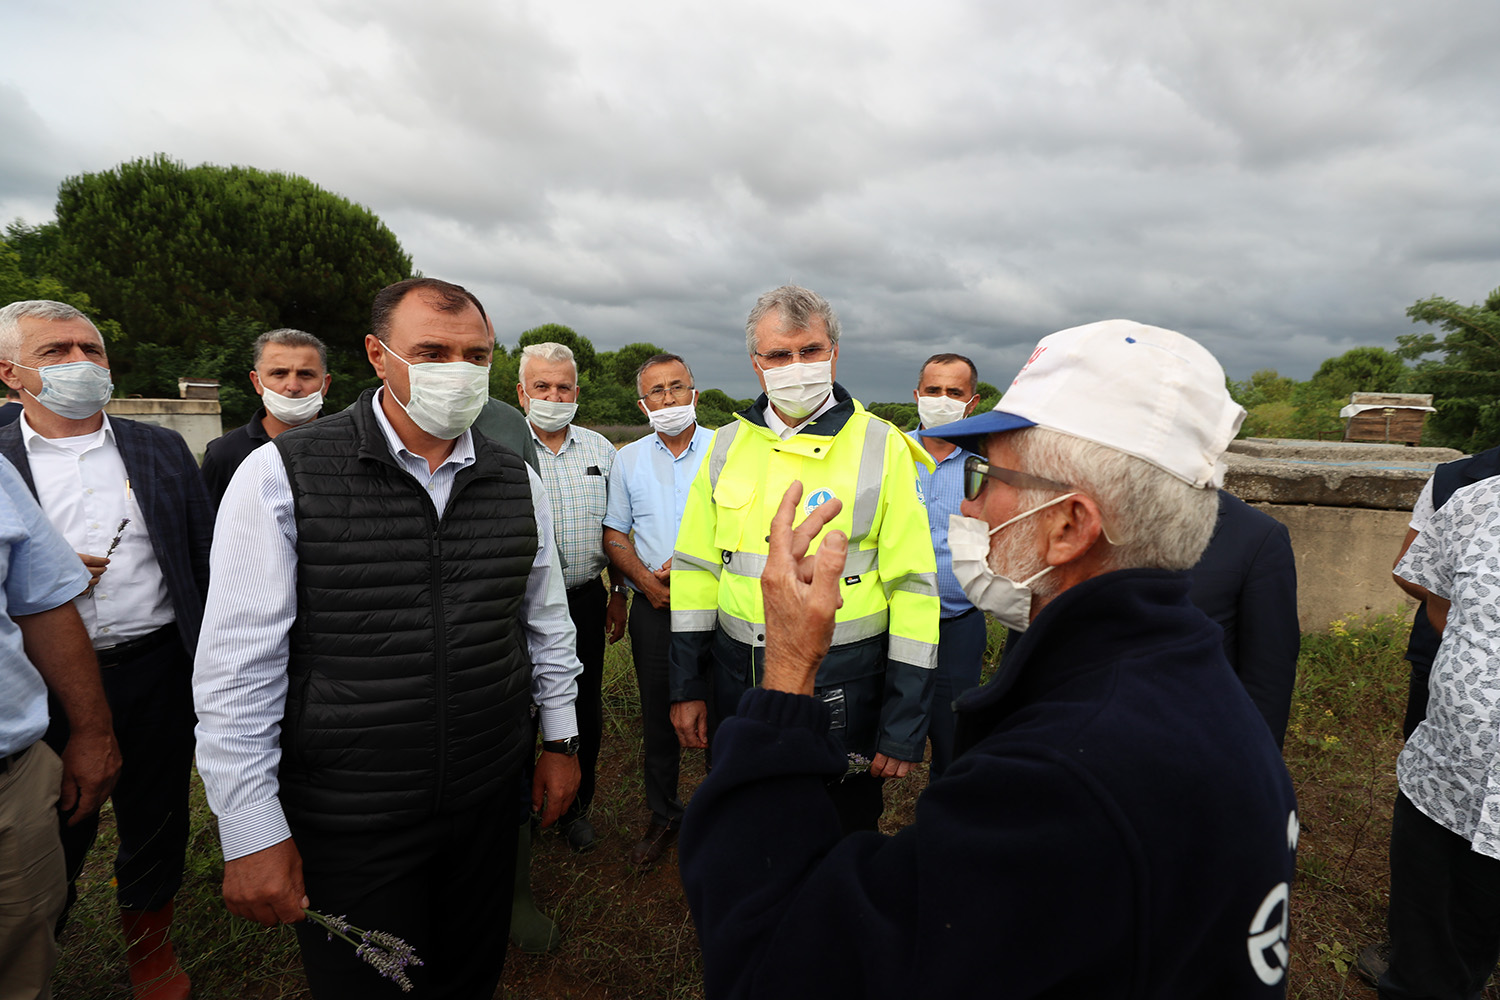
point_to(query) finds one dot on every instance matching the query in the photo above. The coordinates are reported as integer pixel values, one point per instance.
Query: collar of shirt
(692, 443)
(540, 447)
(956, 453)
(784, 430)
(256, 429)
(463, 446)
(31, 440)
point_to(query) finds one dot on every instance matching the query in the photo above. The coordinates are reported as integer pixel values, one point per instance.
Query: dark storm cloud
(1280, 180)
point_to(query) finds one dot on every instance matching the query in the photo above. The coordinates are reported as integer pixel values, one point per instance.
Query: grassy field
(630, 935)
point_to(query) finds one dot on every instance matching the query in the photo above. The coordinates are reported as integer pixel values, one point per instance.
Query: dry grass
(630, 935)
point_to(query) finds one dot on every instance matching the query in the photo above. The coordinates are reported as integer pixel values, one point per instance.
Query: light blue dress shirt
(41, 572)
(943, 491)
(648, 490)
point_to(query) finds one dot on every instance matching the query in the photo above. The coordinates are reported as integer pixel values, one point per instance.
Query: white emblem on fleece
(1270, 929)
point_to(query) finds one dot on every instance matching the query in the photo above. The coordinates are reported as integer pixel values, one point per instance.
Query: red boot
(154, 972)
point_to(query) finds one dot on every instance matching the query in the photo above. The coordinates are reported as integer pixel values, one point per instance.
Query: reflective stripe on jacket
(890, 579)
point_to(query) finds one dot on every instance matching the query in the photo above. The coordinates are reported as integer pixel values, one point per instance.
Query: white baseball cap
(1138, 389)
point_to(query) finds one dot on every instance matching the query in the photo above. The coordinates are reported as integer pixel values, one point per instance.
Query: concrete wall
(1346, 506)
(1344, 557)
(197, 420)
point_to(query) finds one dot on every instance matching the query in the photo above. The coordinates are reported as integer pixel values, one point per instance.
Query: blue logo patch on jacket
(818, 499)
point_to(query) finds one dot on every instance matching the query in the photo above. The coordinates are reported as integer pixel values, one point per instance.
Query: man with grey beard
(1117, 821)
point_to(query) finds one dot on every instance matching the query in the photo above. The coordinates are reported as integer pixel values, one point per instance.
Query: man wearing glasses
(877, 679)
(648, 487)
(1118, 821)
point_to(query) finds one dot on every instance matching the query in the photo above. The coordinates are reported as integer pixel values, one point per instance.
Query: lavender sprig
(383, 951)
(119, 534)
(858, 764)
(114, 544)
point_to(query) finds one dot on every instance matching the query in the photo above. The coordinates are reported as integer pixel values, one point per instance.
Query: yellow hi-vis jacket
(877, 677)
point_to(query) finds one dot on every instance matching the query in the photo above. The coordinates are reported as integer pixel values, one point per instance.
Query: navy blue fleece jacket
(1120, 824)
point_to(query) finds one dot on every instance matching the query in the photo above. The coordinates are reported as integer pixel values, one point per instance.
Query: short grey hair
(11, 316)
(1157, 521)
(287, 337)
(659, 359)
(548, 351)
(798, 308)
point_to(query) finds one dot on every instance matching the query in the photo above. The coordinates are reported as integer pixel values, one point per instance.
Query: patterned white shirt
(1421, 512)
(1450, 768)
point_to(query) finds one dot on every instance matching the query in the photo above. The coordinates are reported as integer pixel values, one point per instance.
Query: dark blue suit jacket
(1247, 582)
(173, 502)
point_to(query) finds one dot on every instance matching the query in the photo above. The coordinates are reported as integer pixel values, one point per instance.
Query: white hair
(11, 316)
(550, 352)
(1156, 520)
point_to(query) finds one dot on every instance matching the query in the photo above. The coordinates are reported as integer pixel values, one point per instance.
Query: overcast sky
(1279, 180)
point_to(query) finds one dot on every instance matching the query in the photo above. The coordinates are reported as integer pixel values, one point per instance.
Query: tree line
(183, 267)
(1457, 360)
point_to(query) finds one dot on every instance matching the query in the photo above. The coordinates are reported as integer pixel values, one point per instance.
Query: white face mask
(548, 415)
(289, 410)
(1007, 600)
(673, 420)
(446, 396)
(936, 411)
(75, 390)
(797, 389)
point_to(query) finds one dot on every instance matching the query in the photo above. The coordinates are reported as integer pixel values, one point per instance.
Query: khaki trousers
(33, 880)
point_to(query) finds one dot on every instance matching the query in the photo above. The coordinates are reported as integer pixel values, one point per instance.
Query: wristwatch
(619, 588)
(567, 747)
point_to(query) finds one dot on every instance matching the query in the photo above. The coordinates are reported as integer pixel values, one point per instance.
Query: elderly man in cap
(1117, 822)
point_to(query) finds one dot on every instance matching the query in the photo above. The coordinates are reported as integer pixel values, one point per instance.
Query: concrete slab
(1340, 451)
(1331, 473)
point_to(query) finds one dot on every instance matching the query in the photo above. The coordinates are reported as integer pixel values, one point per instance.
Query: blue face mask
(75, 390)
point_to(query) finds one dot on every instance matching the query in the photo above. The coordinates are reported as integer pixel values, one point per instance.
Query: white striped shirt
(240, 673)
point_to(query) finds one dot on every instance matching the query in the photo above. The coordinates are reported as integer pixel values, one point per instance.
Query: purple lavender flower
(383, 951)
(858, 764)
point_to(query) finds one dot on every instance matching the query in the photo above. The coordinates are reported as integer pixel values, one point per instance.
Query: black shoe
(659, 836)
(580, 834)
(1372, 961)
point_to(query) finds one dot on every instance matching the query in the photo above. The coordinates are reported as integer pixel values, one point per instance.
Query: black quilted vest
(410, 679)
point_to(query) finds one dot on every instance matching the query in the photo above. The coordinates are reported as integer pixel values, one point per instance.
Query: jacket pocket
(735, 501)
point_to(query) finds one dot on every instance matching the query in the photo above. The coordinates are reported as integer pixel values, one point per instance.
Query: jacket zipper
(440, 667)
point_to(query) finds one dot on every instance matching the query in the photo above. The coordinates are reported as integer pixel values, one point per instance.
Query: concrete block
(1344, 557)
(1331, 474)
(197, 420)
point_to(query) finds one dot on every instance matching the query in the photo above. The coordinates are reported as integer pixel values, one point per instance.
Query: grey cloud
(30, 156)
(1281, 180)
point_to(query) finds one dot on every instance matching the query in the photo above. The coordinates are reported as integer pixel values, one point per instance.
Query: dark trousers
(1416, 698)
(443, 886)
(650, 635)
(586, 605)
(1444, 918)
(961, 641)
(150, 696)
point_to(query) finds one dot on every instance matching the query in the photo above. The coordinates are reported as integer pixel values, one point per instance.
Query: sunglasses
(976, 470)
